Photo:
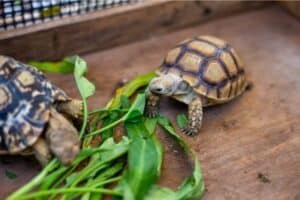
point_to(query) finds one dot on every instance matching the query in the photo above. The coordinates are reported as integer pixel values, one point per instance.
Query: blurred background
(254, 136)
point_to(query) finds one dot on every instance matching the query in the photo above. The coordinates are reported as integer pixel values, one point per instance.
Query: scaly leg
(195, 117)
(72, 108)
(152, 105)
(42, 151)
(62, 138)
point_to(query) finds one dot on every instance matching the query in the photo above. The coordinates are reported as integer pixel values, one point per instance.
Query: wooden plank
(111, 27)
(292, 7)
(240, 142)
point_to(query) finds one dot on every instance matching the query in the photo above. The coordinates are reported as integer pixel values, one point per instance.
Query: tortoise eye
(183, 85)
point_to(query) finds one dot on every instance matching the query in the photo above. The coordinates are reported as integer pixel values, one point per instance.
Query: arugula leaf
(144, 161)
(130, 88)
(182, 120)
(124, 102)
(86, 88)
(193, 187)
(135, 111)
(158, 193)
(110, 151)
(35, 181)
(112, 117)
(137, 108)
(63, 67)
(150, 124)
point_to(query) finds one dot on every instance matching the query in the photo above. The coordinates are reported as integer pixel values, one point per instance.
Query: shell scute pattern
(25, 99)
(209, 65)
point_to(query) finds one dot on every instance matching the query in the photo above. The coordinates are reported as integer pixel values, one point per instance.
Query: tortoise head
(169, 85)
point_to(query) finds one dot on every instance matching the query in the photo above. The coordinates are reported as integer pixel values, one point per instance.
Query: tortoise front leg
(42, 151)
(152, 104)
(72, 108)
(62, 138)
(26, 152)
(195, 117)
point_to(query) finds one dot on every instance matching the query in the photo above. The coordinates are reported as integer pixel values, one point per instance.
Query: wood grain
(111, 27)
(258, 133)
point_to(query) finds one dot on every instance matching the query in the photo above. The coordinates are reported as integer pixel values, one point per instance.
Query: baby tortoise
(30, 114)
(200, 71)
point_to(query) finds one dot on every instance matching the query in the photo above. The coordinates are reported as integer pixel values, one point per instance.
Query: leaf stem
(105, 182)
(85, 117)
(34, 182)
(69, 190)
(107, 127)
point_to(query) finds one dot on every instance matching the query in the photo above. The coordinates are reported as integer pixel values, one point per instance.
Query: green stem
(63, 178)
(97, 111)
(107, 127)
(105, 182)
(68, 190)
(98, 184)
(84, 173)
(34, 182)
(85, 117)
(105, 109)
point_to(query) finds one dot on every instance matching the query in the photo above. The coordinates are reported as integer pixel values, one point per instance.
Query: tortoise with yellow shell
(199, 72)
(33, 114)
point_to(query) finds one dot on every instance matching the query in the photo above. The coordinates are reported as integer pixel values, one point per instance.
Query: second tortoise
(200, 71)
(33, 114)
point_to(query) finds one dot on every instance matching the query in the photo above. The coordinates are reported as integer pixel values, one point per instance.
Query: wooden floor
(248, 148)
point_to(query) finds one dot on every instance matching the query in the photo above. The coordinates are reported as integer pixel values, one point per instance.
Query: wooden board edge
(108, 28)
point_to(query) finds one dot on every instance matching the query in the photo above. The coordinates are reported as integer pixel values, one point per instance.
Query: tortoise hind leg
(194, 117)
(42, 151)
(62, 138)
(72, 108)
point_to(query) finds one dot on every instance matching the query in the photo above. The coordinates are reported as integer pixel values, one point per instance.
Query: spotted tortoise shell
(210, 65)
(25, 98)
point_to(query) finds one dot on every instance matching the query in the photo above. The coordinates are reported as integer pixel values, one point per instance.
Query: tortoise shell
(210, 65)
(25, 98)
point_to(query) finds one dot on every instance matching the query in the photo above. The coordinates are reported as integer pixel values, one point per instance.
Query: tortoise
(34, 114)
(200, 71)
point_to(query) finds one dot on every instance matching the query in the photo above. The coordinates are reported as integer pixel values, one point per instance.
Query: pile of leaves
(126, 169)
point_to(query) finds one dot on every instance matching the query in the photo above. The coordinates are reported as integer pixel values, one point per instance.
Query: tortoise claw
(151, 113)
(189, 131)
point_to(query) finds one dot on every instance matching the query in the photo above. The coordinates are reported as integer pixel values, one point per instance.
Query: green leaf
(124, 102)
(114, 150)
(130, 88)
(109, 151)
(166, 124)
(34, 182)
(135, 111)
(192, 187)
(10, 174)
(159, 193)
(112, 117)
(144, 161)
(52, 178)
(150, 124)
(63, 67)
(86, 88)
(137, 108)
(182, 120)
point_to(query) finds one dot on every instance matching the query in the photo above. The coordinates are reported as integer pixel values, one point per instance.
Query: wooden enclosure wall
(107, 28)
